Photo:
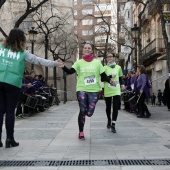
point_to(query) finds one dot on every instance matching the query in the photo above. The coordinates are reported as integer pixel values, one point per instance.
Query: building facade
(95, 22)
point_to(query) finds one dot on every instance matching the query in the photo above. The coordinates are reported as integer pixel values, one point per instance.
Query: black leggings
(87, 102)
(116, 105)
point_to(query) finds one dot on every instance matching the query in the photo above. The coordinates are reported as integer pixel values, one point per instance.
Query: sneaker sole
(81, 139)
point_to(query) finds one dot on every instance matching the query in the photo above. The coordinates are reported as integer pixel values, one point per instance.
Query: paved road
(52, 135)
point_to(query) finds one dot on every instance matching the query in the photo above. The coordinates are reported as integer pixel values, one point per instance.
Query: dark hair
(92, 46)
(16, 40)
(142, 69)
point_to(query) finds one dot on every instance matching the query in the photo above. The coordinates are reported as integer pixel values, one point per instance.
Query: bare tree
(48, 22)
(31, 7)
(102, 29)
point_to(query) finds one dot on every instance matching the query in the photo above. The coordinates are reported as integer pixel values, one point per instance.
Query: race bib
(89, 80)
(114, 86)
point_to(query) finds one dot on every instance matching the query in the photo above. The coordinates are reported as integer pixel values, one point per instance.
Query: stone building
(12, 10)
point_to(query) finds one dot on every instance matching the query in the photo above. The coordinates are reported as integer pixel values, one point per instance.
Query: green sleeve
(76, 65)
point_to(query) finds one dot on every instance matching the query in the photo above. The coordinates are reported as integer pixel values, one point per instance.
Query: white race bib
(89, 80)
(114, 86)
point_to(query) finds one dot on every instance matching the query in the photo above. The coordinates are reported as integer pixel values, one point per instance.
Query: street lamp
(135, 35)
(32, 37)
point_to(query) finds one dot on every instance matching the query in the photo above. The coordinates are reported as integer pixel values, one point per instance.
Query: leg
(108, 101)
(2, 107)
(116, 100)
(82, 100)
(141, 106)
(93, 98)
(11, 95)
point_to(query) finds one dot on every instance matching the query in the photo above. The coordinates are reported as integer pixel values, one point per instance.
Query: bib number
(89, 80)
(114, 86)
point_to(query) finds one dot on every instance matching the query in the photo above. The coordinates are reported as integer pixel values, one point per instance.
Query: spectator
(153, 98)
(159, 96)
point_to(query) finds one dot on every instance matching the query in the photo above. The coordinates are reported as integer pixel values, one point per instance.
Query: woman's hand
(112, 83)
(141, 91)
(60, 63)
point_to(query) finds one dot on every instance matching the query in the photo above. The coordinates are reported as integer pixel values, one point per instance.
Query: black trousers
(9, 95)
(114, 103)
(142, 106)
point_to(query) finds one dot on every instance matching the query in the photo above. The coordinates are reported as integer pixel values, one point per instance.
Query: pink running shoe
(81, 136)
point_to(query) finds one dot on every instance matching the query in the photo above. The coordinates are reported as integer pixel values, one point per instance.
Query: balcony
(154, 49)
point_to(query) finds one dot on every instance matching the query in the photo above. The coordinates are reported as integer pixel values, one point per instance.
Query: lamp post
(32, 37)
(135, 34)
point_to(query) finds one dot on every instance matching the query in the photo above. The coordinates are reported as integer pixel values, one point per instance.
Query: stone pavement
(53, 135)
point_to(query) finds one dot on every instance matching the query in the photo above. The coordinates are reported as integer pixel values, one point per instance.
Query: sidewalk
(53, 135)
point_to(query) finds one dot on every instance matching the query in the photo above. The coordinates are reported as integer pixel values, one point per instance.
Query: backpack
(148, 82)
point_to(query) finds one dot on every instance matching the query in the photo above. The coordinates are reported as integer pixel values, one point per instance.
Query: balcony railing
(155, 47)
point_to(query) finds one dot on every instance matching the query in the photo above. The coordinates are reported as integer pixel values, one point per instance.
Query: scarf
(112, 65)
(88, 58)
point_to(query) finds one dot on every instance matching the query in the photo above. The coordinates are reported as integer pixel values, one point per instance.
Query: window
(75, 12)
(75, 2)
(91, 42)
(103, 7)
(87, 32)
(87, 11)
(75, 23)
(86, 1)
(87, 22)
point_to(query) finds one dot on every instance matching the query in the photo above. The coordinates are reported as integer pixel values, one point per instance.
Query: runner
(112, 92)
(88, 86)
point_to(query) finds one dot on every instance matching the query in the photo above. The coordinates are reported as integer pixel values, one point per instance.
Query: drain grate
(85, 162)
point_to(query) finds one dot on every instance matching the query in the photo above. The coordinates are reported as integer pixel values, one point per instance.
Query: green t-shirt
(110, 90)
(88, 75)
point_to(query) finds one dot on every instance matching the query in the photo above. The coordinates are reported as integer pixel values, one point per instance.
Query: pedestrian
(153, 98)
(142, 90)
(112, 92)
(88, 86)
(12, 65)
(166, 94)
(159, 96)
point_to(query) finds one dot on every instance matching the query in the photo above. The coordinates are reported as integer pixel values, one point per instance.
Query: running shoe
(81, 136)
(113, 129)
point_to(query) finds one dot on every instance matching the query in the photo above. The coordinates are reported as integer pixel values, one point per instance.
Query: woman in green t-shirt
(89, 70)
(112, 92)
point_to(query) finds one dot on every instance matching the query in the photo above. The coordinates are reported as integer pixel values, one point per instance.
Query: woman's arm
(104, 77)
(69, 71)
(31, 58)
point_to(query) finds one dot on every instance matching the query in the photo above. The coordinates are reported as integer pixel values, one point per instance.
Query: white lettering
(13, 55)
(2, 52)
